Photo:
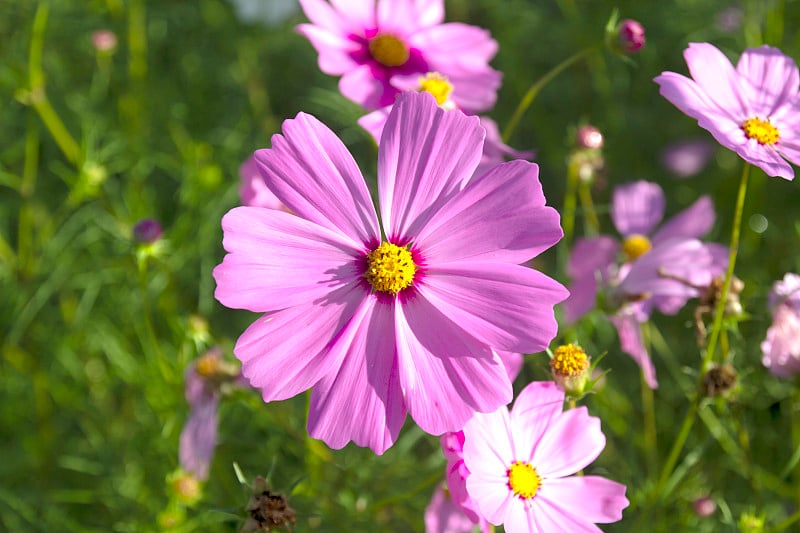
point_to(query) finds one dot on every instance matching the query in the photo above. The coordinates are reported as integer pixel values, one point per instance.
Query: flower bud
(704, 507)
(630, 36)
(104, 41)
(147, 231)
(571, 368)
(589, 137)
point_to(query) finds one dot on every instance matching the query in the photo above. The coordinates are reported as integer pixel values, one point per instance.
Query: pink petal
(520, 518)
(277, 260)
(773, 75)
(359, 13)
(475, 91)
(637, 207)
(693, 222)
(334, 48)
(199, 438)
(407, 16)
(672, 268)
(509, 307)
(322, 14)
(630, 340)
(547, 517)
(513, 363)
(499, 216)
(492, 497)
(443, 516)
(312, 173)
(253, 191)
(572, 441)
(766, 158)
(363, 402)
(601, 500)
(425, 154)
(280, 357)
(455, 46)
(591, 255)
(445, 374)
(488, 448)
(363, 87)
(716, 76)
(582, 299)
(536, 406)
(374, 122)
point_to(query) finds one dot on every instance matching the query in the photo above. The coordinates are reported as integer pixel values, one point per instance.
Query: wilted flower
(408, 323)
(520, 465)
(651, 268)
(781, 347)
(368, 43)
(267, 510)
(753, 109)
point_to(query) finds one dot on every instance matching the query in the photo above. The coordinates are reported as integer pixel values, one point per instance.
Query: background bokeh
(96, 332)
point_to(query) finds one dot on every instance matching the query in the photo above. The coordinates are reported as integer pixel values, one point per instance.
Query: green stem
(786, 523)
(38, 97)
(587, 206)
(719, 312)
(527, 100)
(570, 204)
(649, 415)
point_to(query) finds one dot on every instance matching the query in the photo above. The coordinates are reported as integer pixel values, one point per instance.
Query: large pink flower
(520, 464)
(753, 109)
(369, 42)
(407, 319)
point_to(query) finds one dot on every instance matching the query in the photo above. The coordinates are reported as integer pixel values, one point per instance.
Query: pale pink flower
(752, 109)
(781, 347)
(369, 42)
(687, 158)
(442, 515)
(520, 465)
(407, 323)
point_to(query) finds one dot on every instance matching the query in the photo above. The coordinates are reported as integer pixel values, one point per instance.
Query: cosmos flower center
(208, 365)
(437, 85)
(635, 246)
(523, 480)
(761, 131)
(388, 50)
(390, 268)
(569, 360)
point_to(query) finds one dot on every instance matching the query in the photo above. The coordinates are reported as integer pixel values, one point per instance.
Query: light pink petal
(630, 339)
(715, 75)
(694, 222)
(673, 268)
(280, 357)
(322, 14)
(572, 441)
(374, 122)
(425, 154)
(475, 91)
(781, 347)
(407, 16)
(199, 438)
(775, 76)
(446, 375)
(253, 191)
(456, 476)
(582, 299)
(548, 517)
(520, 518)
(500, 216)
(513, 363)
(455, 46)
(508, 307)
(487, 449)
(443, 516)
(536, 406)
(766, 158)
(277, 260)
(312, 173)
(359, 13)
(334, 48)
(363, 87)
(363, 402)
(591, 260)
(637, 207)
(492, 496)
(601, 500)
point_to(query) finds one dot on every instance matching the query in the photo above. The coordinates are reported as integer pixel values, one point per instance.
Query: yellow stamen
(761, 130)
(569, 360)
(635, 246)
(208, 365)
(388, 50)
(390, 268)
(523, 480)
(437, 85)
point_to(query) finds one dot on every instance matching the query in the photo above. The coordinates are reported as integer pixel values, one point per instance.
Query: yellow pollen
(437, 85)
(390, 268)
(569, 360)
(761, 130)
(523, 480)
(388, 50)
(635, 246)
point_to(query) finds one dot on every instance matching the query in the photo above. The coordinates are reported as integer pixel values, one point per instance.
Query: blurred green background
(97, 330)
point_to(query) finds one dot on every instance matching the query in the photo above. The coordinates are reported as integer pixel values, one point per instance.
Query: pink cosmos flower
(253, 190)
(407, 319)
(369, 42)
(520, 464)
(753, 109)
(443, 516)
(651, 268)
(781, 347)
